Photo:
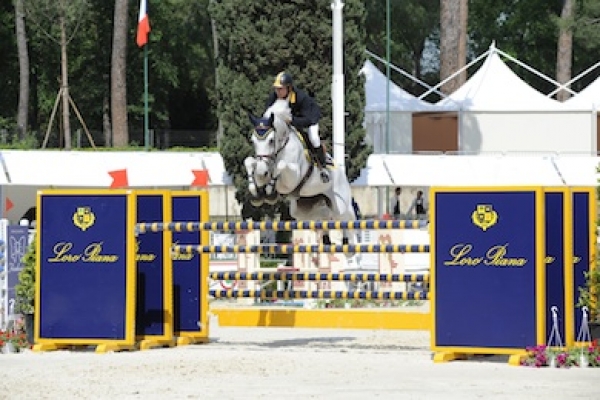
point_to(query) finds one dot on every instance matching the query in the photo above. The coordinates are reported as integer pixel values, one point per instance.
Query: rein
(296, 191)
(270, 159)
(277, 151)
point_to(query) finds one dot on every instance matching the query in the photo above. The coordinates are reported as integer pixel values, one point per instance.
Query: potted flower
(13, 342)
(589, 296)
(578, 356)
(25, 290)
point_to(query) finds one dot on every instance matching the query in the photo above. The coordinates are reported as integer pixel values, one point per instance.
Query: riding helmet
(282, 79)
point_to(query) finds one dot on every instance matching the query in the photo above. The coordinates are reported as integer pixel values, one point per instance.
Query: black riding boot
(322, 157)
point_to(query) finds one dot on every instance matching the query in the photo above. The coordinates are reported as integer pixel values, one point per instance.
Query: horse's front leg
(255, 197)
(271, 194)
(287, 176)
(250, 164)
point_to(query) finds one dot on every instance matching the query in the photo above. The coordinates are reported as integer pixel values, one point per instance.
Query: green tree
(118, 76)
(257, 39)
(59, 21)
(9, 68)
(586, 40)
(526, 30)
(181, 71)
(21, 34)
(453, 24)
(564, 61)
(414, 24)
(25, 289)
(587, 22)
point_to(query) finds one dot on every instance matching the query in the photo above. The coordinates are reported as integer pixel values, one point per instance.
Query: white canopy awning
(495, 87)
(399, 99)
(374, 174)
(92, 169)
(578, 170)
(476, 170)
(588, 98)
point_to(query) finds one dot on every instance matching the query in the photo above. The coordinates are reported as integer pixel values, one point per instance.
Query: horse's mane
(282, 112)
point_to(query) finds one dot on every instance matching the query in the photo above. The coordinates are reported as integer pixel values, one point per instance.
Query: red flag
(9, 205)
(200, 178)
(143, 28)
(119, 178)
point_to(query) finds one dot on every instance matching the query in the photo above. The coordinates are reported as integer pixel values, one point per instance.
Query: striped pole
(304, 248)
(317, 294)
(277, 225)
(310, 276)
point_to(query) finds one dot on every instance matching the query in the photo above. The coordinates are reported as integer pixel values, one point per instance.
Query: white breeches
(313, 135)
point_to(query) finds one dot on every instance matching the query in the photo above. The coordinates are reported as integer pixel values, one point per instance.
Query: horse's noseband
(261, 132)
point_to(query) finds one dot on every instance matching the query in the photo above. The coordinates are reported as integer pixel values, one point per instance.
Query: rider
(305, 114)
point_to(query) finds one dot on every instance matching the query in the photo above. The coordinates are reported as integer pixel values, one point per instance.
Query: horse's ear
(251, 117)
(271, 119)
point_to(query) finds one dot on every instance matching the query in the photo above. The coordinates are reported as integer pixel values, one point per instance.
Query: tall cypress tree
(259, 38)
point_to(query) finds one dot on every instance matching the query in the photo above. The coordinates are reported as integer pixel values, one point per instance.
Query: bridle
(269, 159)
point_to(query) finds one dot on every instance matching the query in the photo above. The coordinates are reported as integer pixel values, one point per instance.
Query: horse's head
(263, 138)
(271, 132)
(269, 136)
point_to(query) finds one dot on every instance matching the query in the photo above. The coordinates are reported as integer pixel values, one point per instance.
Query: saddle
(312, 153)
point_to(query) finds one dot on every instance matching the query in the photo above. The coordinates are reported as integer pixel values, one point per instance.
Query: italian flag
(143, 28)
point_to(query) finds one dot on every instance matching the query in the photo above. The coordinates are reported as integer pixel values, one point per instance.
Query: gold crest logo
(484, 216)
(84, 218)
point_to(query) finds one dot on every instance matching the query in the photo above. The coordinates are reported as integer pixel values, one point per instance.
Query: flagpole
(146, 128)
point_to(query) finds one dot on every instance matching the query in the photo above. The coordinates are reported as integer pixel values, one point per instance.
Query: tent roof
(578, 170)
(374, 174)
(175, 169)
(589, 97)
(495, 87)
(92, 169)
(480, 170)
(400, 99)
(477, 170)
(3, 171)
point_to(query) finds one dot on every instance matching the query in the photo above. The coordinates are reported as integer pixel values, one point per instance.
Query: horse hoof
(253, 190)
(345, 240)
(326, 240)
(272, 200)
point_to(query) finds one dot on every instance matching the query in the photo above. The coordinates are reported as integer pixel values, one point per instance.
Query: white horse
(282, 166)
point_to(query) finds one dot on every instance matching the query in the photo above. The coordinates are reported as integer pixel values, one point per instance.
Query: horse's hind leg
(349, 236)
(346, 238)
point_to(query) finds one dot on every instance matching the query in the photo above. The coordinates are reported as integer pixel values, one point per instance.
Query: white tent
(588, 98)
(578, 171)
(400, 100)
(26, 172)
(374, 174)
(401, 106)
(92, 169)
(499, 112)
(421, 172)
(474, 170)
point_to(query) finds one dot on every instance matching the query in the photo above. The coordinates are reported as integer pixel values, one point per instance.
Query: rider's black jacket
(305, 110)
